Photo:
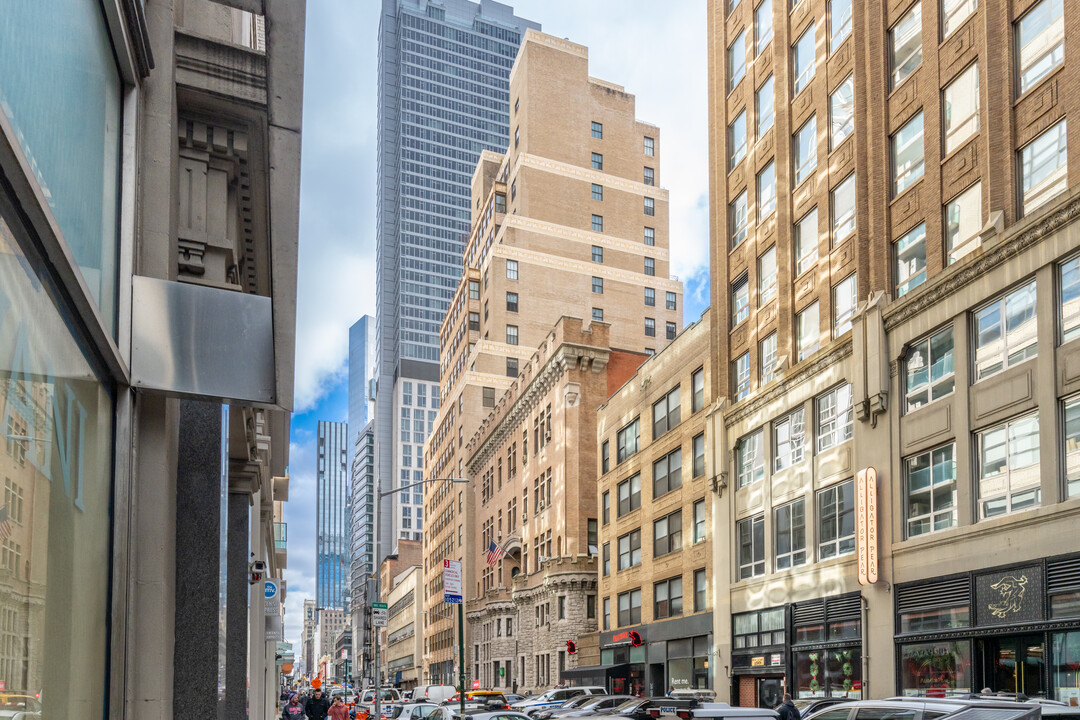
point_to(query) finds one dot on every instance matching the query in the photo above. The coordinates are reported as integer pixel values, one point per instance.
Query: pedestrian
(787, 709)
(317, 706)
(292, 710)
(338, 709)
(671, 691)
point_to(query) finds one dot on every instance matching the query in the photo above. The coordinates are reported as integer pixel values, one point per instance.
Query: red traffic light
(571, 647)
(635, 638)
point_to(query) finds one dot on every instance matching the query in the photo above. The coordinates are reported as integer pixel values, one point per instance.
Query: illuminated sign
(758, 661)
(866, 517)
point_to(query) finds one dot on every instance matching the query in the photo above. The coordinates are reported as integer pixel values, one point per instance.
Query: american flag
(493, 554)
(5, 524)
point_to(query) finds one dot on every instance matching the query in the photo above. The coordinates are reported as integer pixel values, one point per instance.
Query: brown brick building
(894, 287)
(571, 221)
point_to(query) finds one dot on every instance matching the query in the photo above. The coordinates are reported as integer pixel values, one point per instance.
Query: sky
(657, 51)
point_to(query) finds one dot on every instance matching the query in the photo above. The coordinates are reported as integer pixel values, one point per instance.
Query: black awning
(590, 671)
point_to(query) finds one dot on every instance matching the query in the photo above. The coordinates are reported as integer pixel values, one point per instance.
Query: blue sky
(657, 51)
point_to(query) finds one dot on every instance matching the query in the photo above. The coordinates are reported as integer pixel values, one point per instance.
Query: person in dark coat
(318, 706)
(787, 709)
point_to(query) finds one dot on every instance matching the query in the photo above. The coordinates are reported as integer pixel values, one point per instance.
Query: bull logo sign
(1011, 589)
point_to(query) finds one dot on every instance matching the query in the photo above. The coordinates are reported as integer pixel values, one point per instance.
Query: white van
(433, 693)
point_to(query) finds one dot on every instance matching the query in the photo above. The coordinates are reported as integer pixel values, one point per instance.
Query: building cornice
(585, 269)
(563, 232)
(576, 172)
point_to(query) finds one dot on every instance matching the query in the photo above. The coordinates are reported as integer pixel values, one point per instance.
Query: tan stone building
(403, 639)
(655, 524)
(894, 288)
(570, 221)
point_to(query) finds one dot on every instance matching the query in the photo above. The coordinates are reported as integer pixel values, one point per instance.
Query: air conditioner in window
(547, 436)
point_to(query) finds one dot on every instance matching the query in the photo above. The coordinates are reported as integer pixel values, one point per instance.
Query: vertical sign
(451, 581)
(866, 525)
(272, 607)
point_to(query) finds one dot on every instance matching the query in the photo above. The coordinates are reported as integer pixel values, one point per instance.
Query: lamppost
(379, 495)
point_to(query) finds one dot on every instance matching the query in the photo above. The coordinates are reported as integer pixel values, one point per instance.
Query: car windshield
(628, 705)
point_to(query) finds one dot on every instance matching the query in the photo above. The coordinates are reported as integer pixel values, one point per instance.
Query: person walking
(338, 709)
(292, 710)
(318, 706)
(787, 709)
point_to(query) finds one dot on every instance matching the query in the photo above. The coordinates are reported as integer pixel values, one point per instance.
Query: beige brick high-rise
(922, 193)
(570, 221)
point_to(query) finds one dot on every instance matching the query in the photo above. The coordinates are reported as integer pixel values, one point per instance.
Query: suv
(923, 708)
(555, 697)
(717, 711)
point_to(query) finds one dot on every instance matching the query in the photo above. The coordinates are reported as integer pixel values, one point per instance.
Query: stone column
(236, 607)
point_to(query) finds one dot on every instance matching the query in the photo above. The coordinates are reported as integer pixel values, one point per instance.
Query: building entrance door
(1015, 664)
(770, 691)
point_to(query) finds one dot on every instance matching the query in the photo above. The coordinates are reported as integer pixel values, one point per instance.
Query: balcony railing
(281, 535)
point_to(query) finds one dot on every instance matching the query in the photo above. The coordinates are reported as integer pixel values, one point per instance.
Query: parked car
(592, 706)
(809, 706)
(723, 711)
(413, 711)
(572, 703)
(651, 708)
(514, 697)
(912, 708)
(555, 697)
(433, 693)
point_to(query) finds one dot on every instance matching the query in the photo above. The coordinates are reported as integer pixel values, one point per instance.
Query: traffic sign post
(451, 581)
(379, 614)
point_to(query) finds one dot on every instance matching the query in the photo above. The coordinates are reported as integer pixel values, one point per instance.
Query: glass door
(1015, 664)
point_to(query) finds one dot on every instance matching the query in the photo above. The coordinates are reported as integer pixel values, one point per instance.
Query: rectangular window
(1044, 167)
(605, 457)
(751, 532)
(740, 300)
(930, 482)
(839, 22)
(1071, 427)
(474, 289)
(845, 298)
(597, 161)
(650, 236)
(597, 253)
(511, 335)
(670, 301)
(597, 192)
(1070, 299)
(906, 43)
(765, 102)
(762, 26)
(803, 57)
(667, 473)
(650, 146)
(650, 297)
(767, 276)
(911, 261)
(650, 327)
(963, 222)
(843, 210)
(842, 110)
(667, 534)
(671, 330)
(500, 203)
(697, 385)
(929, 367)
(650, 206)
(737, 139)
(667, 412)
(629, 608)
(511, 270)
(667, 598)
(606, 559)
(698, 445)
(1009, 467)
(627, 440)
(750, 453)
(738, 213)
(954, 13)
(598, 285)
(808, 325)
(650, 266)
(907, 154)
(1042, 42)
(648, 176)
(805, 150)
(836, 520)
(806, 242)
(701, 592)
(699, 521)
(598, 314)
(766, 191)
(598, 130)
(474, 321)
(736, 55)
(607, 614)
(511, 302)
(629, 494)
(740, 377)
(1006, 332)
(605, 509)
(789, 440)
(630, 550)
(511, 367)
(961, 108)
(597, 223)
(767, 356)
(489, 398)
(835, 417)
(790, 523)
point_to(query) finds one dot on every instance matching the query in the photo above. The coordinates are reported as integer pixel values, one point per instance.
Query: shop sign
(627, 636)
(1011, 596)
(758, 661)
(775, 659)
(866, 525)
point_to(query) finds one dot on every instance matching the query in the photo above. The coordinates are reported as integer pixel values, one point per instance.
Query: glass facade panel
(842, 110)
(930, 480)
(906, 40)
(930, 373)
(911, 261)
(954, 13)
(803, 58)
(765, 102)
(1042, 42)
(836, 515)
(763, 30)
(737, 217)
(805, 150)
(839, 22)
(736, 61)
(737, 138)
(1044, 167)
(1070, 299)
(1006, 332)
(961, 108)
(1008, 466)
(1064, 679)
(936, 667)
(907, 154)
(1072, 447)
(845, 299)
(806, 242)
(767, 276)
(809, 327)
(843, 210)
(766, 191)
(751, 458)
(963, 222)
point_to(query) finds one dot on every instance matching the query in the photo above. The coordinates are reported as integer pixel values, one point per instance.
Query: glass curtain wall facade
(334, 517)
(444, 74)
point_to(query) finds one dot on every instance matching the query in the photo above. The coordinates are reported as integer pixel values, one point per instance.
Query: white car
(555, 697)
(413, 711)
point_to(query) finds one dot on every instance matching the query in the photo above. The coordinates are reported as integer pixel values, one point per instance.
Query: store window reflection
(1066, 671)
(935, 669)
(55, 470)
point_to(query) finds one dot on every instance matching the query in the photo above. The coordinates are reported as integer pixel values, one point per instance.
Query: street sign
(379, 614)
(452, 581)
(475, 684)
(270, 590)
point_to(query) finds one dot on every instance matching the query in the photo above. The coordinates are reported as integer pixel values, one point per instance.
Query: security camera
(256, 571)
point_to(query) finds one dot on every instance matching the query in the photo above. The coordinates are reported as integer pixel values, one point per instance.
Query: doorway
(1015, 664)
(770, 691)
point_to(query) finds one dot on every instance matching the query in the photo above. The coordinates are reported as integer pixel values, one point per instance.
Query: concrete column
(237, 607)
(198, 534)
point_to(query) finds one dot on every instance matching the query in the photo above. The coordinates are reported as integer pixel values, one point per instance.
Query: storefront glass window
(935, 669)
(846, 630)
(1066, 668)
(934, 620)
(810, 633)
(844, 670)
(55, 465)
(63, 99)
(809, 674)
(1065, 605)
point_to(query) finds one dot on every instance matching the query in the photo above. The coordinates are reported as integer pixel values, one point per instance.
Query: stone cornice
(221, 69)
(949, 282)
(576, 172)
(586, 269)
(563, 232)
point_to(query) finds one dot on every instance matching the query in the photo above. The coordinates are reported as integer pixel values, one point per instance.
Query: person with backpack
(787, 709)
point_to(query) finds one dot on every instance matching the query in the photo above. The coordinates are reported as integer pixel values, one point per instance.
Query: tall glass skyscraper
(444, 69)
(333, 516)
(361, 374)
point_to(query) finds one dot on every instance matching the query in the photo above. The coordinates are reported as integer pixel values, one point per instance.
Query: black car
(651, 708)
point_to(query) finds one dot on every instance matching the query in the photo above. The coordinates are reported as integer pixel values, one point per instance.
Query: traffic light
(571, 647)
(635, 638)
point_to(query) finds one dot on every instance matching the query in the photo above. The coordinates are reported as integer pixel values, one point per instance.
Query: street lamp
(379, 495)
